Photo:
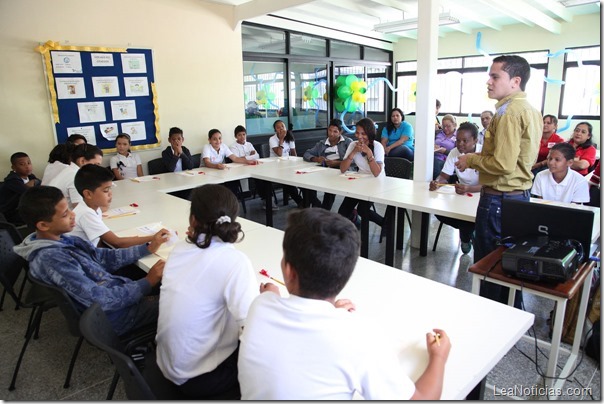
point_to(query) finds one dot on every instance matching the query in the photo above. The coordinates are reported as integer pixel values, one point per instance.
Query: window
(461, 84)
(344, 50)
(307, 45)
(308, 89)
(581, 91)
(264, 95)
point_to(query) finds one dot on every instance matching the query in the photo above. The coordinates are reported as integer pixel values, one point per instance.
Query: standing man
(510, 148)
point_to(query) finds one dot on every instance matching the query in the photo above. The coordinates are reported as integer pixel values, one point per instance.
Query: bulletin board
(100, 92)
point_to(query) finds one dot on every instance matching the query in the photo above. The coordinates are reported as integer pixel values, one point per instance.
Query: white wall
(197, 62)
(584, 30)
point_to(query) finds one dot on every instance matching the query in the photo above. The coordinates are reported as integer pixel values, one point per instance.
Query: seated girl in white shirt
(125, 164)
(215, 153)
(207, 288)
(560, 183)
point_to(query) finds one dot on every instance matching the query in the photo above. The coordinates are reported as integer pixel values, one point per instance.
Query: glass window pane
(581, 91)
(345, 50)
(452, 63)
(307, 45)
(378, 55)
(263, 40)
(346, 108)
(405, 96)
(406, 66)
(583, 54)
(478, 61)
(448, 90)
(376, 88)
(264, 95)
(474, 96)
(308, 87)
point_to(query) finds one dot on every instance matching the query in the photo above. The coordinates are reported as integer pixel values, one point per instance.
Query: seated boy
(19, 180)
(94, 183)
(84, 271)
(176, 157)
(310, 346)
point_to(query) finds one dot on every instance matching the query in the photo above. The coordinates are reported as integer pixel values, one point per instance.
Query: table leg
(363, 211)
(268, 202)
(556, 336)
(423, 242)
(306, 197)
(389, 222)
(400, 227)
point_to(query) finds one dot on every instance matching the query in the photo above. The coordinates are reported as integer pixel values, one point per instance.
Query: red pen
(134, 205)
(469, 194)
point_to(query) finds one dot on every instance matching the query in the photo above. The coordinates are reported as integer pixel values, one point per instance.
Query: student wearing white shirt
(282, 144)
(125, 164)
(241, 147)
(313, 345)
(560, 183)
(81, 155)
(368, 155)
(58, 160)
(215, 153)
(207, 288)
(467, 180)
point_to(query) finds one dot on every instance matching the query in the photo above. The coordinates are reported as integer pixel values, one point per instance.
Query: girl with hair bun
(207, 288)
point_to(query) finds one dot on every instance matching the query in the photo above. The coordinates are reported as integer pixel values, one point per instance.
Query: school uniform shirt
(89, 224)
(467, 177)
(216, 156)
(204, 299)
(361, 161)
(287, 146)
(64, 181)
(126, 164)
(585, 153)
(573, 188)
(51, 171)
(296, 348)
(244, 150)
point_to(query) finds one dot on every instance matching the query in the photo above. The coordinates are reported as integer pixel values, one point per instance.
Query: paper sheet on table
(190, 173)
(352, 174)
(149, 230)
(268, 160)
(235, 165)
(309, 170)
(145, 178)
(121, 211)
(290, 158)
(446, 189)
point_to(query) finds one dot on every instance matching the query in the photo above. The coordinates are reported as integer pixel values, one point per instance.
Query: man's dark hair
(323, 248)
(239, 128)
(567, 150)
(88, 151)
(90, 177)
(212, 132)
(72, 138)
(39, 204)
(470, 127)
(515, 66)
(59, 153)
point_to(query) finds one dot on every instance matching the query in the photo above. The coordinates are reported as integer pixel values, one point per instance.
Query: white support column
(427, 57)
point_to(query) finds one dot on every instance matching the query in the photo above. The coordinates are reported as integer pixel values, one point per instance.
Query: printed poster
(133, 63)
(91, 112)
(105, 87)
(136, 86)
(86, 131)
(109, 130)
(136, 130)
(101, 59)
(70, 87)
(123, 110)
(66, 62)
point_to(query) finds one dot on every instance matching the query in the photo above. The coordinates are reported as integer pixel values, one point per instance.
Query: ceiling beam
(534, 16)
(256, 8)
(399, 5)
(467, 14)
(353, 7)
(557, 8)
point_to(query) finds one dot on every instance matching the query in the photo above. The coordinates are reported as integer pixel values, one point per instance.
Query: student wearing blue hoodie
(84, 271)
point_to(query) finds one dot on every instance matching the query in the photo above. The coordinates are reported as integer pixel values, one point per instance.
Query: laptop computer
(522, 219)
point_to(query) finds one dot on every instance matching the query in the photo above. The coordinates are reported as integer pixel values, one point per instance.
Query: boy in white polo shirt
(94, 183)
(311, 346)
(560, 183)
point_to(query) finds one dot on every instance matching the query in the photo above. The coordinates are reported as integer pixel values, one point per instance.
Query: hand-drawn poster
(70, 88)
(123, 110)
(105, 87)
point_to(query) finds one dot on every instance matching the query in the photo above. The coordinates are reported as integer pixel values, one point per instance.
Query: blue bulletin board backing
(100, 92)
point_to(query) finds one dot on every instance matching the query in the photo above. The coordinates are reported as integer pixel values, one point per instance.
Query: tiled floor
(44, 367)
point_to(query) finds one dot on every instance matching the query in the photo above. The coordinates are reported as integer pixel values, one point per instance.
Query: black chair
(156, 166)
(398, 167)
(197, 162)
(97, 330)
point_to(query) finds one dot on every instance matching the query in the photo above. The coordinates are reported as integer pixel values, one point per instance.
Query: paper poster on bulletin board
(101, 92)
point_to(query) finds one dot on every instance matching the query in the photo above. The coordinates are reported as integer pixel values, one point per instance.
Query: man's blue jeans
(486, 235)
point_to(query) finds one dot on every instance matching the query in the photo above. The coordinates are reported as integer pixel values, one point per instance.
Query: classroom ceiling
(360, 16)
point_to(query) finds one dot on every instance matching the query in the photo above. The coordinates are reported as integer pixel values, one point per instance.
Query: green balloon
(338, 104)
(344, 92)
(340, 81)
(351, 78)
(352, 106)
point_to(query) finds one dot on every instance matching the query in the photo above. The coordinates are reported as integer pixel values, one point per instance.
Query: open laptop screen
(522, 218)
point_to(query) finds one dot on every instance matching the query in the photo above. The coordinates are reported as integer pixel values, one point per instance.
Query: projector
(541, 259)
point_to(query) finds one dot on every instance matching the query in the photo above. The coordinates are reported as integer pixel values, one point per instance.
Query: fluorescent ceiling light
(572, 3)
(412, 23)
